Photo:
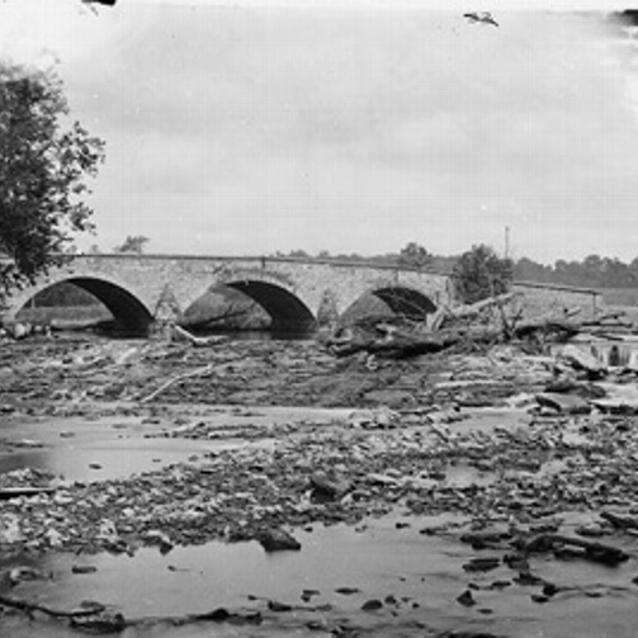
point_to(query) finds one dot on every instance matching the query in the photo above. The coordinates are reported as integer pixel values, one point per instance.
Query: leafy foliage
(43, 164)
(132, 244)
(414, 255)
(480, 273)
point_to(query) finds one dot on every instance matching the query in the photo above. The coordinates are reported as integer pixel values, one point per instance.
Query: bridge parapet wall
(542, 299)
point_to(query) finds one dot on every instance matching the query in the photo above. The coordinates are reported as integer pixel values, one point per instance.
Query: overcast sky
(247, 129)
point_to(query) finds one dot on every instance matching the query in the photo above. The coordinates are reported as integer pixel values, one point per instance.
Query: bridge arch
(275, 292)
(287, 311)
(405, 301)
(129, 312)
(399, 299)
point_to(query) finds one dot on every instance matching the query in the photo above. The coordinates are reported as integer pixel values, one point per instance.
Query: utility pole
(507, 242)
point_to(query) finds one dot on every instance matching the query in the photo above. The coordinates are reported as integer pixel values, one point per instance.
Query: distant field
(620, 296)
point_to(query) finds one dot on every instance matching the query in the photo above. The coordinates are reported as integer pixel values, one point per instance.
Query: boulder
(324, 490)
(277, 540)
(579, 359)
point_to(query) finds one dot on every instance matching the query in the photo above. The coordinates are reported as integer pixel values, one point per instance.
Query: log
(198, 342)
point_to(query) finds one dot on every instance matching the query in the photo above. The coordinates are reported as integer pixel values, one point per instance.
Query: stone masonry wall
(539, 300)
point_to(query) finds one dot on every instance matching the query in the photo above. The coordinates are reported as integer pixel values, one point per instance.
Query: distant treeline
(592, 272)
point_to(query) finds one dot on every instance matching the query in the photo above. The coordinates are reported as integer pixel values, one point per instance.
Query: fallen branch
(24, 605)
(177, 379)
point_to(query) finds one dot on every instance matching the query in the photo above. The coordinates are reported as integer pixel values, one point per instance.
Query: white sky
(250, 128)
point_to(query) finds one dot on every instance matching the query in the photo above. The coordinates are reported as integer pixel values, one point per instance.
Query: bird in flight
(110, 3)
(484, 17)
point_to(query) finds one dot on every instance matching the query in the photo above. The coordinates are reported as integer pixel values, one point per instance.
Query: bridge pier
(166, 315)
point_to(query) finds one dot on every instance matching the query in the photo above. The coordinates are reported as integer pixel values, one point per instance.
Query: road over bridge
(297, 293)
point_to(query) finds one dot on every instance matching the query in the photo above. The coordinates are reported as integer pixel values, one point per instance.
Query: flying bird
(484, 17)
(110, 3)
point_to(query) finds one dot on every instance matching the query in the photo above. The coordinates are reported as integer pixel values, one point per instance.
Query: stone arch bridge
(298, 294)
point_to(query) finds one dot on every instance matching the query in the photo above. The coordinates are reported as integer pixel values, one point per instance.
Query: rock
(565, 403)
(105, 623)
(18, 574)
(593, 530)
(19, 330)
(381, 417)
(220, 614)
(372, 605)
(53, 537)
(566, 385)
(83, 569)
(484, 539)
(307, 594)
(159, 538)
(380, 479)
(482, 564)
(107, 531)
(390, 398)
(579, 359)
(277, 540)
(324, 490)
(466, 599)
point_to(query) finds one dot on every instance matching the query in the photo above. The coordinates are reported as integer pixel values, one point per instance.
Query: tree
(414, 255)
(132, 244)
(43, 164)
(480, 273)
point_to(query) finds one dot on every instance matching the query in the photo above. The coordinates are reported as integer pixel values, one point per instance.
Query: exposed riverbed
(158, 505)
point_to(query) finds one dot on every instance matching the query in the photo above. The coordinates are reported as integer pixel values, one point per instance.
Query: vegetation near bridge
(43, 166)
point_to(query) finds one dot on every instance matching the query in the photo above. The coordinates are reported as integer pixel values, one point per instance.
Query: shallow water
(72, 447)
(423, 573)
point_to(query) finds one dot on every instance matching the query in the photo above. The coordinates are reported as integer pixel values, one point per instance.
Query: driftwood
(177, 379)
(198, 342)
(399, 343)
(471, 310)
